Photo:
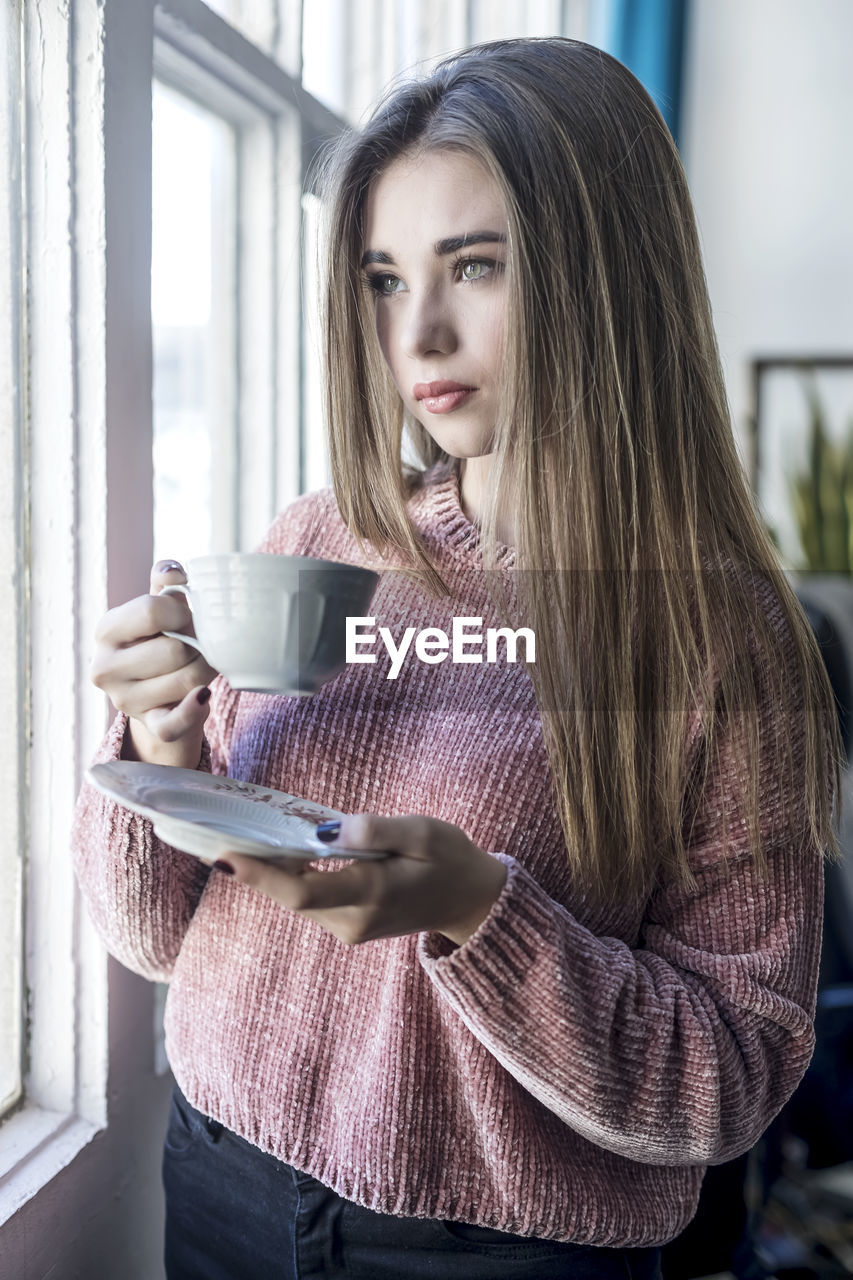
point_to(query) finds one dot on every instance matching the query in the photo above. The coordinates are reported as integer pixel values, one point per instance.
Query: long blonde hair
(652, 616)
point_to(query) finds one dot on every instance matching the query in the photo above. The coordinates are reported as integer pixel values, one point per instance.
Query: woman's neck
(474, 478)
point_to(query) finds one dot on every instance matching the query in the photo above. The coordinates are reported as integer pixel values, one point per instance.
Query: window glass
(325, 70)
(272, 25)
(192, 307)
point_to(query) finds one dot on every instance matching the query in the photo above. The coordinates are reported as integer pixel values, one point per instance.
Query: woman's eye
(474, 270)
(385, 285)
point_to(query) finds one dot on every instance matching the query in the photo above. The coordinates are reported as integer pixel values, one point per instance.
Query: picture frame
(785, 391)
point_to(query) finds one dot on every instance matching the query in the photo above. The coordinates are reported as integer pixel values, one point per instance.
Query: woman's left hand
(434, 879)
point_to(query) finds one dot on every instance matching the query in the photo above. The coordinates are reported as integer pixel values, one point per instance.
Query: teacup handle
(174, 589)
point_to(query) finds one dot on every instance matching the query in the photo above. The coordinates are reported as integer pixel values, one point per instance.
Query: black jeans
(235, 1213)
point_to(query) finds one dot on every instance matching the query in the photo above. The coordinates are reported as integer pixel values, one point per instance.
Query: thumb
(171, 723)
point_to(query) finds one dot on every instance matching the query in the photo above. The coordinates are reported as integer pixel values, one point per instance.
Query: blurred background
(158, 360)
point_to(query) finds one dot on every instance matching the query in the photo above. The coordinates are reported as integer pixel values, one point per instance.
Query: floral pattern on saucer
(208, 815)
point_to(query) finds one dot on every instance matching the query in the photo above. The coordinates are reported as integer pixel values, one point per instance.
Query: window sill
(36, 1145)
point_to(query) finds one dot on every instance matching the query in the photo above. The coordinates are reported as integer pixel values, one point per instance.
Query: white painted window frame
(13, 674)
(279, 128)
(85, 488)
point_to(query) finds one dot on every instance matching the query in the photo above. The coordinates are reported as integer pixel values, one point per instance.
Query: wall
(101, 1217)
(768, 151)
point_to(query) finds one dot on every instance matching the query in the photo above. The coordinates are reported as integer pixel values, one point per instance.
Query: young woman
(588, 968)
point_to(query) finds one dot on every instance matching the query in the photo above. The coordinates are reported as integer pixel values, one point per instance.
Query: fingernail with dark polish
(328, 831)
(168, 566)
(224, 867)
(203, 696)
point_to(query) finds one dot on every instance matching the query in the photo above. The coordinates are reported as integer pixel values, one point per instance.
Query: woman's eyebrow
(452, 244)
(377, 255)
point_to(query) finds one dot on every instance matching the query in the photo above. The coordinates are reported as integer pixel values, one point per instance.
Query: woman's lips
(441, 397)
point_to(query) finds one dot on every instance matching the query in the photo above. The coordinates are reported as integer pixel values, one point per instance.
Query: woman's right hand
(158, 682)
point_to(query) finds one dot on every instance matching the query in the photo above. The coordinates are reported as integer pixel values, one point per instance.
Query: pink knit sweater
(567, 1072)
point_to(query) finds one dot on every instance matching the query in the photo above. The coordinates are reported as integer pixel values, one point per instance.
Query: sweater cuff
(499, 953)
(110, 748)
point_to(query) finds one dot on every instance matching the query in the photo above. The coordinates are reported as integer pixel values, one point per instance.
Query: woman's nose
(429, 326)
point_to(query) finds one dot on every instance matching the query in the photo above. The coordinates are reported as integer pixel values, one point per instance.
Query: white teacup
(273, 624)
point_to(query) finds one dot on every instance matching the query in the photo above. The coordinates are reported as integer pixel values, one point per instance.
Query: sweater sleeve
(682, 1049)
(142, 893)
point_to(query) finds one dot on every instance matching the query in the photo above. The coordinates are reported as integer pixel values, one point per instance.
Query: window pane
(256, 19)
(315, 451)
(350, 53)
(193, 308)
(325, 40)
(273, 25)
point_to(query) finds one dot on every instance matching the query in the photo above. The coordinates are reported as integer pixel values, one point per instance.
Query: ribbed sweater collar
(436, 509)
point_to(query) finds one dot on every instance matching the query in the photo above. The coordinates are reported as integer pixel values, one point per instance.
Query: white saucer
(208, 815)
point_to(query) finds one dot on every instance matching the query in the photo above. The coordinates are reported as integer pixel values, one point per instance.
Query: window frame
(13, 533)
(279, 129)
(81, 443)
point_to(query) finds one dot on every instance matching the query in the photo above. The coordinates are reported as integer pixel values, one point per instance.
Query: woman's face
(434, 258)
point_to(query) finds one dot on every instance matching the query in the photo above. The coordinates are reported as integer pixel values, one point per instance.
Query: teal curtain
(649, 37)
